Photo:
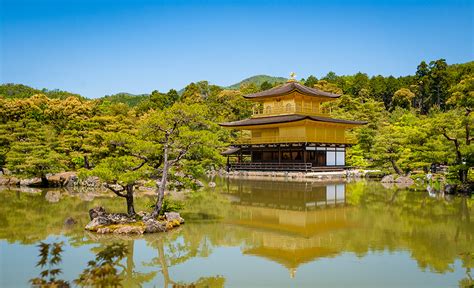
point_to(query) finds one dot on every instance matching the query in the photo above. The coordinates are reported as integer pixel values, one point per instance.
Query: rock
(52, 196)
(31, 182)
(104, 230)
(14, 181)
(170, 216)
(70, 221)
(130, 229)
(63, 179)
(153, 226)
(97, 222)
(91, 181)
(388, 179)
(212, 184)
(120, 218)
(96, 212)
(4, 180)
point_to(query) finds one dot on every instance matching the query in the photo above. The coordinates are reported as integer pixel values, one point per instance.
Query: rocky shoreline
(120, 223)
(63, 179)
(306, 176)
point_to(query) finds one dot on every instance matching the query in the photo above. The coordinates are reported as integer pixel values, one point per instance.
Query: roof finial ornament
(292, 77)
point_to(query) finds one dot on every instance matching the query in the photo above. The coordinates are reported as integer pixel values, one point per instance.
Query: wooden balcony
(296, 139)
(262, 166)
(252, 166)
(289, 109)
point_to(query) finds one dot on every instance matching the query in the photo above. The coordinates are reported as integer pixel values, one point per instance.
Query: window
(340, 158)
(268, 109)
(288, 107)
(331, 158)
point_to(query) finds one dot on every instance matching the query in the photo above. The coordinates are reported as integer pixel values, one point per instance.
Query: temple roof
(287, 119)
(291, 258)
(289, 87)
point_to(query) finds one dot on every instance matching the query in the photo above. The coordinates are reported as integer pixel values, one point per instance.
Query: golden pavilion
(290, 131)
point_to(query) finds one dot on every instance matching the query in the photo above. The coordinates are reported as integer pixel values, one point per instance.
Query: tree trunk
(86, 162)
(162, 187)
(129, 198)
(395, 167)
(463, 171)
(164, 264)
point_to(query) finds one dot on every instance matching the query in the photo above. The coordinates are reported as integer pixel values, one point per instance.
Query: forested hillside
(414, 121)
(19, 91)
(258, 80)
(131, 100)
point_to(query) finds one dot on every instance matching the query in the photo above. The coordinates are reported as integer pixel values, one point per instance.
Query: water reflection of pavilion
(291, 222)
(289, 195)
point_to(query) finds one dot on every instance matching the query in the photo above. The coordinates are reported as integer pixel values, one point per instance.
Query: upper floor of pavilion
(291, 98)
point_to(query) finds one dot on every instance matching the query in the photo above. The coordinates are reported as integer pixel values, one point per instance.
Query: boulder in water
(96, 212)
(172, 216)
(97, 222)
(153, 226)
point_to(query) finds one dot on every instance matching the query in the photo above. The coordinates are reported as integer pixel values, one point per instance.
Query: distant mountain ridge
(257, 80)
(10, 90)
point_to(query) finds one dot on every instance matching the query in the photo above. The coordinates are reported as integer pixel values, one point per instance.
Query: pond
(258, 233)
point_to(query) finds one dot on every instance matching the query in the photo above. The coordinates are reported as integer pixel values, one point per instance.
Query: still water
(248, 233)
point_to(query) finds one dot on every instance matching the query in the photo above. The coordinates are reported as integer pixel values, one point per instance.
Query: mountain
(258, 80)
(20, 91)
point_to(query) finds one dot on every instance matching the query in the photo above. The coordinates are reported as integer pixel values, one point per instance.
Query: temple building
(290, 131)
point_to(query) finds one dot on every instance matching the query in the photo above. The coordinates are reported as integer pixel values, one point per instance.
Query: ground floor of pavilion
(287, 157)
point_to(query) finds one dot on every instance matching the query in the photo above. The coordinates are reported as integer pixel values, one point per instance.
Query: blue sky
(107, 46)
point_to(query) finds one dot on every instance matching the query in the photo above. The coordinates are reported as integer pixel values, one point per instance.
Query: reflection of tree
(128, 274)
(132, 278)
(467, 263)
(29, 218)
(171, 253)
(430, 228)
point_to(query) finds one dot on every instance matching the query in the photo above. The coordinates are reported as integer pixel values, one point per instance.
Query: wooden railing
(252, 166)
(296, 139)
(263, 112)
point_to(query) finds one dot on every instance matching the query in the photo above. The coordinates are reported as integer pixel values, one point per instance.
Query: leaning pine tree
(128, 162)
(177, 130)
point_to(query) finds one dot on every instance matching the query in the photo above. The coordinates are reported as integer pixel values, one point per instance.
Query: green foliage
(169, 205)
(33, 150)
(50, 257)
(19, 91)
(311, 81)
(128, 99)
(402, 98)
